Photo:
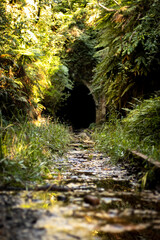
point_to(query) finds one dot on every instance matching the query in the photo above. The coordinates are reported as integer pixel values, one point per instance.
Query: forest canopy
(129, 40)
(46, 46)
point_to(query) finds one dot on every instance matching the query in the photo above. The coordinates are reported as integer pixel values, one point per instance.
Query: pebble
(92, 200)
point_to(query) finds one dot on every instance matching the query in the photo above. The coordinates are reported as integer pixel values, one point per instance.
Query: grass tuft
(139, 130)
(28, 150)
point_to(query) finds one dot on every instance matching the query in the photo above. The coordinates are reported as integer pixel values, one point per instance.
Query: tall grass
(139, 130)
(110, 139)
(28, 150)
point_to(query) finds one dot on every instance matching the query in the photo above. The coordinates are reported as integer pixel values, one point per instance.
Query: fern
(130, 42)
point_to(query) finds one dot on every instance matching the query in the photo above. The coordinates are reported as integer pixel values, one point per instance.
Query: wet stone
(62, 198)
(92, 200)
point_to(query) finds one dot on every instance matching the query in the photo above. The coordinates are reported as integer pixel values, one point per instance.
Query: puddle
(101, 203)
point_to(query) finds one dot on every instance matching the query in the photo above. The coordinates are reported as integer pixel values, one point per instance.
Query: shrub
(144, 120)
(139, 130)
(110, 139)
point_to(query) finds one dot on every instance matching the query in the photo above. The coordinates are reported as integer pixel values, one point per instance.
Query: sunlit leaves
(129, 39)
(28, 149)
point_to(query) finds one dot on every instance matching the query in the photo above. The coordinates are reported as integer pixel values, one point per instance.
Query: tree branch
(105, 8)
(39, 11)
(116, 2)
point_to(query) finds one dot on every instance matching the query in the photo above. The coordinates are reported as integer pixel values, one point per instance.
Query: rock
(62, 198)
(92, 200)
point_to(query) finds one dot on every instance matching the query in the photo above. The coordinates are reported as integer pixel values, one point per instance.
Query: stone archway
(79, 110)
(100, 104)
(82, 107)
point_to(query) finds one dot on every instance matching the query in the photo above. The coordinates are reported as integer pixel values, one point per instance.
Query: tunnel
(79, 109)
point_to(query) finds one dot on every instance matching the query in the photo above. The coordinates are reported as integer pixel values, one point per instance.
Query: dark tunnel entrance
(79, 109)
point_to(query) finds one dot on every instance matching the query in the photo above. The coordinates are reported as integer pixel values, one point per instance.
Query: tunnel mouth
(79, 109)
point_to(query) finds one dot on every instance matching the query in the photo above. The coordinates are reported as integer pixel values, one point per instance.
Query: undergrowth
(28, 150)
(139, 130)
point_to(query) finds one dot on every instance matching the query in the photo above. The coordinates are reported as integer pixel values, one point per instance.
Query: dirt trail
(91, 200)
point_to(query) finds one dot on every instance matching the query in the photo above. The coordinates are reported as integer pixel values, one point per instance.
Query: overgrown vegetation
(36, 37)
(139, 131)
(129, 42)
(127, 75)
(28, 150)
(46, 46)
(37, 46)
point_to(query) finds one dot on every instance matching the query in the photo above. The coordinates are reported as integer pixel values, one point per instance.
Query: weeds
(110, 139)
(28, 150)
(139, 131)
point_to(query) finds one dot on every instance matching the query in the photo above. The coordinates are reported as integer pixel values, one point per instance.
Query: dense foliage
(129, 51)
(28, 150)
(47, 46)
(130, 43)
(39, 43)
(139, 131)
